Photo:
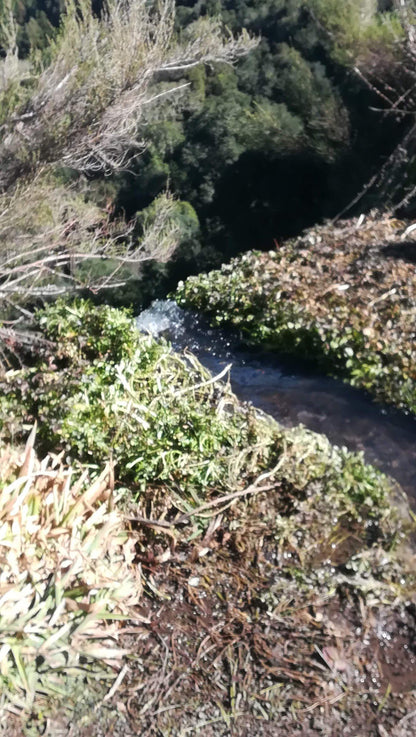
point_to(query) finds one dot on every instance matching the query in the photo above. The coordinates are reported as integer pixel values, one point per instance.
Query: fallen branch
(225, 499)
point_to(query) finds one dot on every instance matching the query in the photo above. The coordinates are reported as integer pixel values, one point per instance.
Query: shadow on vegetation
(405, 251)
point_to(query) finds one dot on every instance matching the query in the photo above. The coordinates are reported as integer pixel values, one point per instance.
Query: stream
(294, 394)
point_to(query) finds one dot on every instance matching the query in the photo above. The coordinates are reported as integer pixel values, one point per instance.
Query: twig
(406, 718)
(382, 297)
(117, 683)
(331, 700)
(212, 380)
(252, 489)
(152, 522)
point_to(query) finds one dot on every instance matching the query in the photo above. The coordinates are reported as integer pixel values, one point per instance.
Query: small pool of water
(295, 395)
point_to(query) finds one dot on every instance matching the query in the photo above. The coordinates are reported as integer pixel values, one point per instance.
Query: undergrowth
(342, 297)
(107, 391)
(194, 460)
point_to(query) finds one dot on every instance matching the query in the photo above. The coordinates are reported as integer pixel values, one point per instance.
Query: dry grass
(66, 578)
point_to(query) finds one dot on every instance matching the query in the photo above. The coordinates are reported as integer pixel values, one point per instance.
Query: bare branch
(86, 106)
(48, 232)
(84, 111)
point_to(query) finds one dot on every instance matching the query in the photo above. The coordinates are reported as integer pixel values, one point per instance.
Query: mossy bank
(259, 564)
(342, 296)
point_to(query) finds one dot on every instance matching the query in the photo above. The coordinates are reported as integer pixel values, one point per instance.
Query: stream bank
(294, 393)
(341, 296)
(269, 583)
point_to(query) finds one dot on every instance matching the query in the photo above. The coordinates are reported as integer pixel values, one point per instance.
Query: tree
(280, 119)
(392, 76)
(75, 112)
(377, 41)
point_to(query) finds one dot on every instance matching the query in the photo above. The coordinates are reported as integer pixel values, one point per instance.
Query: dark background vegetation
(261, 150)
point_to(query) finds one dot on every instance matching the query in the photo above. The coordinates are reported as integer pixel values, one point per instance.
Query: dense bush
(290, 123)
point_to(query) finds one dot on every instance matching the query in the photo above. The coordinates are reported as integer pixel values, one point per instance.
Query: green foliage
(287, 117)
(82, 332)
(37, 21)
(118, 392)
(306, 89)
(99, 390)
(276, 100)
(356, 27)
(344, 23)
(10, 98)
(107, 390)
(183, 215)
(282, 300)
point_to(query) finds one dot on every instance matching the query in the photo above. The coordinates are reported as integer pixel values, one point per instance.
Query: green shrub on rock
(342, 297)
(105, 390)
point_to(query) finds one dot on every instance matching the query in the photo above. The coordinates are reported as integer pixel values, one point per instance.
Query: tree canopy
(75, 112)
(291, 133)
(106, 107)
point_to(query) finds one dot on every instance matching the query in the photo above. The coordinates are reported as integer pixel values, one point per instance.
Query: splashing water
(294, 395)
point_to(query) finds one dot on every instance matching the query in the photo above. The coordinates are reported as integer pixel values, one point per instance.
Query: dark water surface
(293, 394)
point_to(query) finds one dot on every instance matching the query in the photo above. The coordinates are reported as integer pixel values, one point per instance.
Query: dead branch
(86, 106)
(84, 111)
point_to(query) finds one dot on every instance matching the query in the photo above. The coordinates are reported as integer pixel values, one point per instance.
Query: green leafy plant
(335, 297)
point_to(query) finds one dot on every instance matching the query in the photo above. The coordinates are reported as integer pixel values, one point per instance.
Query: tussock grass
(66, 579)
